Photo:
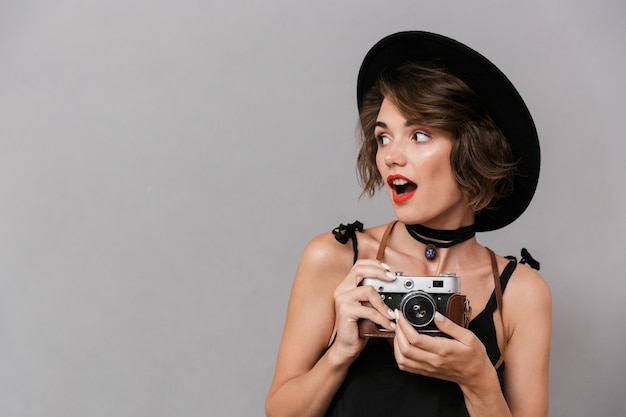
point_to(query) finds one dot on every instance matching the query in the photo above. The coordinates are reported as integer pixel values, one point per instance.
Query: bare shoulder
(324, 263)
(527, 313)
(324, 254)
(527, 283)
(527, 297)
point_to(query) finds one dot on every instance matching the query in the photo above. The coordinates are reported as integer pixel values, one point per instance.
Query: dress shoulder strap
(508, 271)
(500, 282)
(345, 232)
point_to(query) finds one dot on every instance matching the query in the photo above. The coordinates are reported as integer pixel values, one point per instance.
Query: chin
(407, 215)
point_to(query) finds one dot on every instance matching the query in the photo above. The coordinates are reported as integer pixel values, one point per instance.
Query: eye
(383, 139)
(420, 136)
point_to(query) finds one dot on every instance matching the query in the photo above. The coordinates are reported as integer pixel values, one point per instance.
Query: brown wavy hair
(481, 157)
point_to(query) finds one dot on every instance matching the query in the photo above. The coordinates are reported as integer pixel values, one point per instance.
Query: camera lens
(419, 308)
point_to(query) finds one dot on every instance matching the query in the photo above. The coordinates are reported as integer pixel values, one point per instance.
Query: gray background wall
(163, 163)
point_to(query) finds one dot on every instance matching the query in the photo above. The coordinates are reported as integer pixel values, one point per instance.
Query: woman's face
(414, 162)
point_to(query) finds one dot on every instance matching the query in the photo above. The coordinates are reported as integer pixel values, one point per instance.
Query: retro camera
(418, 298)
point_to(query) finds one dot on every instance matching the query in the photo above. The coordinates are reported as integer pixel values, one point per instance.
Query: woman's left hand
(461, 359)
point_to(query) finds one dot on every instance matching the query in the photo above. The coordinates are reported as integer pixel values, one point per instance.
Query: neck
(454, 259)
(435, 239)
(445, 238)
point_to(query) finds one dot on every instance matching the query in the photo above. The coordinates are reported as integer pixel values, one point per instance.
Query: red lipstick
(402, 188)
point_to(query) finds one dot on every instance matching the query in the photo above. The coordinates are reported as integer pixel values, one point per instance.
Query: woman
(450, 139)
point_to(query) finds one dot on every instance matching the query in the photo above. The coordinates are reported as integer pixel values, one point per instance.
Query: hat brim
(499, 96)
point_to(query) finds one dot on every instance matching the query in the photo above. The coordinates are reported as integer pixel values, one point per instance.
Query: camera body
(418, 298)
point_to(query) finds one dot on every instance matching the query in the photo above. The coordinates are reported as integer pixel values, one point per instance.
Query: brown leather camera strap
(383, 241)
(498, 291)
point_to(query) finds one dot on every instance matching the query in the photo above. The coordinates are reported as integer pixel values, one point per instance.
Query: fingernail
(397, 314)
(390, 275)
(391, 314)
(384, 265)
(439, 317)
(393, 325)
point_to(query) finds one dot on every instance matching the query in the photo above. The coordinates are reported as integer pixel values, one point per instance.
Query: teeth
(399, 181)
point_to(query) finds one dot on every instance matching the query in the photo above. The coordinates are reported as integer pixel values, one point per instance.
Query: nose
(394, 153)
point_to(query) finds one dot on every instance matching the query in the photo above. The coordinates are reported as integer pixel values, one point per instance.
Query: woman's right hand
(354, 302)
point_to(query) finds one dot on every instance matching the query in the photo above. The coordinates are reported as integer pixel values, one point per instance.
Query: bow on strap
(347, 231)
(527, 258)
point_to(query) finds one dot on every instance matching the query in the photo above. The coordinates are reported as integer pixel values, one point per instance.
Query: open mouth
(402, 189)
(401, 186)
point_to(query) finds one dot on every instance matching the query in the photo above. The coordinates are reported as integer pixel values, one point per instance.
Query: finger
(409, 354)
(371, 269)
(408, 357)
(425, 351)
(452, 329)
(374, 299)
(370, 263)
(368, 297)
(353, 311)
(411, 337)
(408, 336)
(380, 318)
(373, 262)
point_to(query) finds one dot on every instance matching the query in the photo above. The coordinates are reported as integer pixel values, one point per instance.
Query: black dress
(375, 386)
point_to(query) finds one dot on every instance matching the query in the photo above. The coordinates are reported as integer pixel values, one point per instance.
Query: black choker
(442, 238)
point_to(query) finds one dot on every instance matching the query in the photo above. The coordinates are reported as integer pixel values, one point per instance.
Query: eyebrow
(408, 123)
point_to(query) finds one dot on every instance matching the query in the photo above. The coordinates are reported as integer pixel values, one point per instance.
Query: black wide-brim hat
(499, 96)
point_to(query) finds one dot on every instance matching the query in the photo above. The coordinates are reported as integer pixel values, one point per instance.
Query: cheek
(447, 175)
(452, 186)
(442, 174)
